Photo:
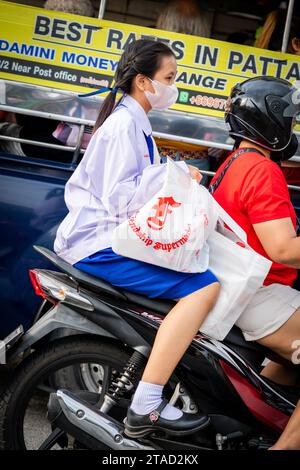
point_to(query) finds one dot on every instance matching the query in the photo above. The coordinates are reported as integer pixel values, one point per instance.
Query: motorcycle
(90, 369)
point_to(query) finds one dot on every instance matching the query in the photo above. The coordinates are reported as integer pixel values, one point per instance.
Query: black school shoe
(140, 425)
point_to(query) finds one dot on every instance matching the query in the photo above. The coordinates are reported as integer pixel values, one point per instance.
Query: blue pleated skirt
(143, 278)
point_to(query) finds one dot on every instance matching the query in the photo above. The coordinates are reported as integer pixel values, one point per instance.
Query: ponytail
(107, 108)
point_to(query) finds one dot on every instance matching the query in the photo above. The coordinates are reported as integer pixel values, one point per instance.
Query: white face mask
(164, 96)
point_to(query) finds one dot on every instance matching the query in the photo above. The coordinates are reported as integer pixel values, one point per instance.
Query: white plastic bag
(240, 270)
(172, 228)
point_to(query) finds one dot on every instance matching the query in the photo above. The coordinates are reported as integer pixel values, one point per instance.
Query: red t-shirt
(292, 175)
(254, 190)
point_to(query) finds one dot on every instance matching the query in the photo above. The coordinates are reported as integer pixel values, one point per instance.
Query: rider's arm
(279, 240)
(266, 201)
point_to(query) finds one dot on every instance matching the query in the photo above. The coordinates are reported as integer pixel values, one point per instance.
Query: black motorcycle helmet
(262, 110)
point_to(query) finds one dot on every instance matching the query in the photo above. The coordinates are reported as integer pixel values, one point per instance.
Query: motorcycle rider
(108, 186)
(261, 114)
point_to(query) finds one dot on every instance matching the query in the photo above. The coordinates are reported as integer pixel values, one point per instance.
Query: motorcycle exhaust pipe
(78, 418)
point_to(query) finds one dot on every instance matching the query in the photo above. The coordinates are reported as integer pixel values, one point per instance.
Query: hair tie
(98, 92)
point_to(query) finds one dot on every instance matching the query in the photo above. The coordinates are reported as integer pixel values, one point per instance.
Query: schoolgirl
(118, 174)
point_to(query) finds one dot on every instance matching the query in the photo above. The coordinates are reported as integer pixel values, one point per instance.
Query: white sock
(148, 397)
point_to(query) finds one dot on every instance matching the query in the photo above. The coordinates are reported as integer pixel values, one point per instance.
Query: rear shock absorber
(127, 381)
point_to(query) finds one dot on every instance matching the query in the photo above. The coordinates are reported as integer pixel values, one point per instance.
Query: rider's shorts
(269, 309)
(143, 278)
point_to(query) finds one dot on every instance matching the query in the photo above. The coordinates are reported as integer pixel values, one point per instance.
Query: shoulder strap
(231, 224)
(215, 185)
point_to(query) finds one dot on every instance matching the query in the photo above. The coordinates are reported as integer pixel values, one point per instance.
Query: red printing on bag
(158, 245)
(163, 207)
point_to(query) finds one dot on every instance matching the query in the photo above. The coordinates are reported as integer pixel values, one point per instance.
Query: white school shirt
(114, 179)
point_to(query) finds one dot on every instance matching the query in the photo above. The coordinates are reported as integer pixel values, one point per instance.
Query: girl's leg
(173, 338)
(174, 335)
(177, 332)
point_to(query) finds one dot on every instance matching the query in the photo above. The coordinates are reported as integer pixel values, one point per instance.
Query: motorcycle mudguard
(60, 316)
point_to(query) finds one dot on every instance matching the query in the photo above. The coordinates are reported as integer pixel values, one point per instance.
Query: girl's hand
(195, 173)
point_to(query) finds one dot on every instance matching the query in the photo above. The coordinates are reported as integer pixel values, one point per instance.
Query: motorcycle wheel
(79, 377)
(23, 404)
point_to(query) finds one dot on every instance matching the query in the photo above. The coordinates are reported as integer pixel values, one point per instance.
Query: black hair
(277, 36)
(142, 56)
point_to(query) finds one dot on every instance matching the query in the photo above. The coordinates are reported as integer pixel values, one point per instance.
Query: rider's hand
(195, 173)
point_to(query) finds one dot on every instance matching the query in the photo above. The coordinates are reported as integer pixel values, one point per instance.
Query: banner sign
(79, 54)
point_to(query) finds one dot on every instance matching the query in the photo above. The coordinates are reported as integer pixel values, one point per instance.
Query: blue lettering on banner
(89, 61)
(27, 50)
